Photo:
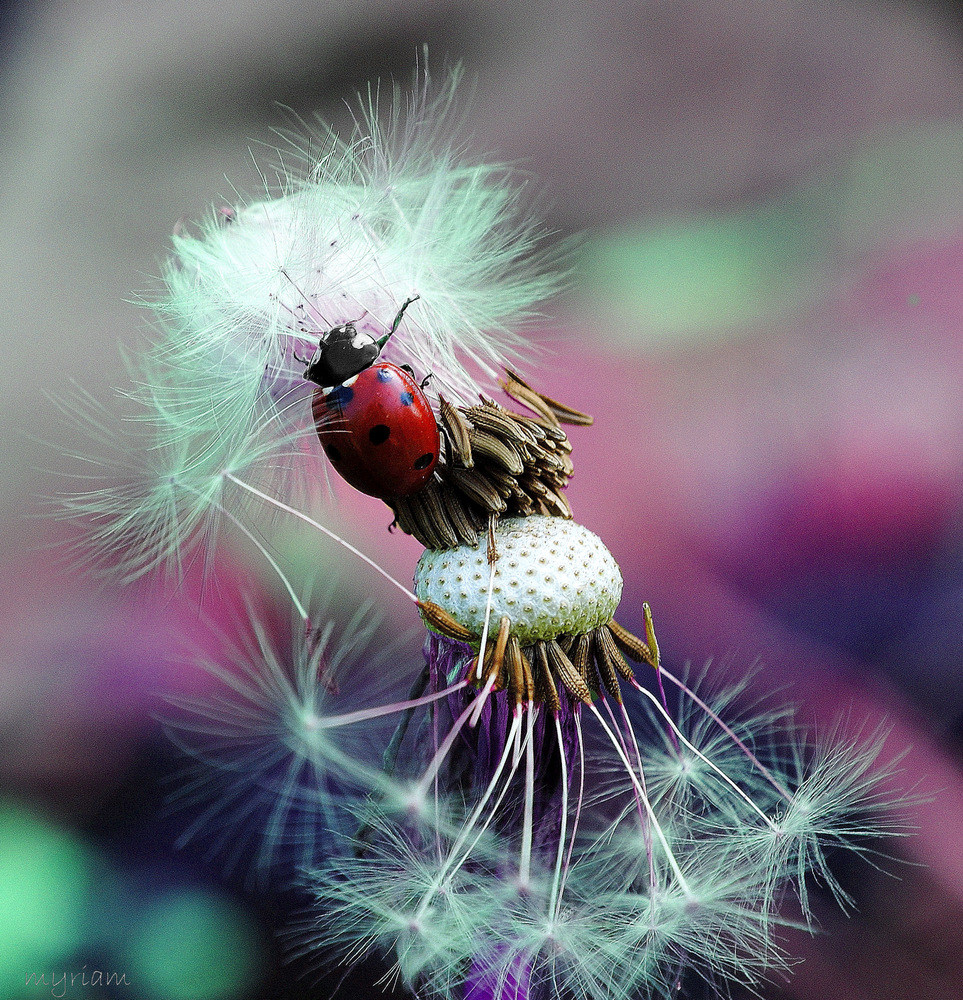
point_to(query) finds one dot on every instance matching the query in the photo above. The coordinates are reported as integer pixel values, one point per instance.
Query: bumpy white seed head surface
(552, 577)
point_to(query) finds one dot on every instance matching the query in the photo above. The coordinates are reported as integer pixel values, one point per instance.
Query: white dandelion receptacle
(552, 577)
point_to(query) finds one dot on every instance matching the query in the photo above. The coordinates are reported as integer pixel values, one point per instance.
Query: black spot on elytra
(332, 453)
(407, 399)
(384, 375)
(424, 461)
(379, 434)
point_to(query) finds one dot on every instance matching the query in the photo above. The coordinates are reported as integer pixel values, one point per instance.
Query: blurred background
(766, 320)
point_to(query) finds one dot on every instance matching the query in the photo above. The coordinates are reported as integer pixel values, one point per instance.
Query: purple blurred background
(766, 320)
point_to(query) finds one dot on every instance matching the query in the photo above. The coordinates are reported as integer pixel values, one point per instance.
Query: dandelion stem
(488, 618)
(643, 822)
(435, 743)
(397, 738)
(488, 793)
(653, 643)
(267, 498)
(646, 830)
(480, 701)
(429, 776)
(450, 866)
(517, 752)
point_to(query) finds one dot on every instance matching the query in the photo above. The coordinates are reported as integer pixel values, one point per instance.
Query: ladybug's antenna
(397, 321)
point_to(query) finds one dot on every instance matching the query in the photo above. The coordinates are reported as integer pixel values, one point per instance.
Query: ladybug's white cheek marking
(350, 382)
(553, 577)
(362, 340)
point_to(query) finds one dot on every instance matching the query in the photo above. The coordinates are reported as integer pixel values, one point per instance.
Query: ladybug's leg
(427, 379)
(396, 321)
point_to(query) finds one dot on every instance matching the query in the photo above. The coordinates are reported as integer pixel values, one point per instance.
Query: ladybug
(379, 431)
(344, 351)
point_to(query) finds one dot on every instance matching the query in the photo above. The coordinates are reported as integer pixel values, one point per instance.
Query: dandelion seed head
(349, 228)
(721, 923)
(583, 950)
(278, 757)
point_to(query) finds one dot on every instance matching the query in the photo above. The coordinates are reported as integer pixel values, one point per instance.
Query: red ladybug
(379, 431)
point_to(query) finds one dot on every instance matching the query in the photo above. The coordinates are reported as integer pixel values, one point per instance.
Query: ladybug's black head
(343, 352)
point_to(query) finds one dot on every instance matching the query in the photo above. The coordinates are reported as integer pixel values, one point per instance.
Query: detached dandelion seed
(519, 816)
(280, 751)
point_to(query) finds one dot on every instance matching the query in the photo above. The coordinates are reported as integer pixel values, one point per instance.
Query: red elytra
(379, 431)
